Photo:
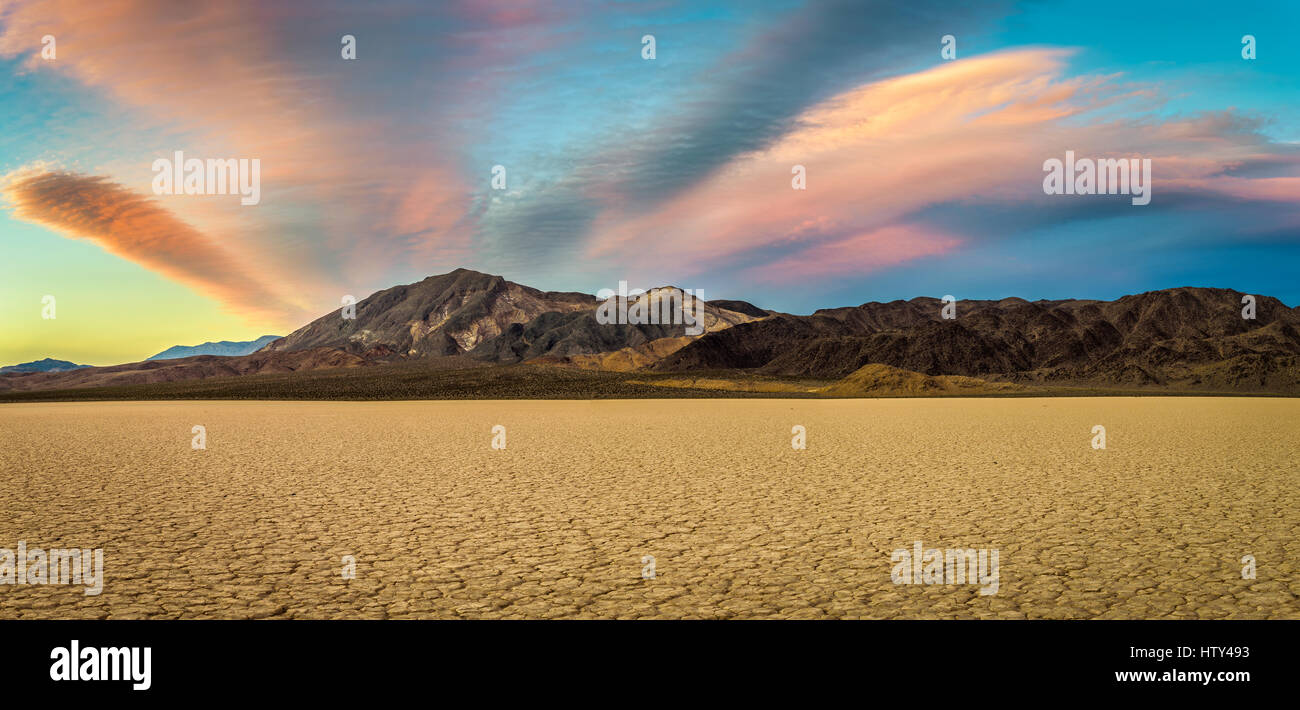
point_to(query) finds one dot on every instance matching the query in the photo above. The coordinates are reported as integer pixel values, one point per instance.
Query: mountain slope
(580, 338)
(884, 381)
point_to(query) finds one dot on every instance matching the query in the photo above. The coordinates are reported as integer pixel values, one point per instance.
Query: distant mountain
(46, 365)
(199, 367)
(225, 348)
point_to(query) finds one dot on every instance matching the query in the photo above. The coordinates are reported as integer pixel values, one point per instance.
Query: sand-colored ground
(740, 525)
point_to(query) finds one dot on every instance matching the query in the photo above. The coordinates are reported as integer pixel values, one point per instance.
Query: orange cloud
(137, 228)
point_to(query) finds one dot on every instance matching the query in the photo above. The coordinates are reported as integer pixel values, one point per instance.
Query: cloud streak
(138, 229)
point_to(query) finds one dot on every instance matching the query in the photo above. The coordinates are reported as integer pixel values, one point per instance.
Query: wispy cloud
(973, 132)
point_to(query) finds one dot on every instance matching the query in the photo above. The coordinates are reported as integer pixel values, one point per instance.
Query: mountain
(488, 318)
(225, 348)
(46, 365)
(441, 315)
(1192, 337)
(461, 319)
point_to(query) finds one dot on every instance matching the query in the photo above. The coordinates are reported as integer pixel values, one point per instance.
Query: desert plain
(561, 522)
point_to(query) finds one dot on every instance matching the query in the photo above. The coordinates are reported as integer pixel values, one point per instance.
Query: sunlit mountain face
(190, 173)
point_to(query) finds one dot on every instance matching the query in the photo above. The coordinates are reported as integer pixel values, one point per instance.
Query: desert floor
(739, 524)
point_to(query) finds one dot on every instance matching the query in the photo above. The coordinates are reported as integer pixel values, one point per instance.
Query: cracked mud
(740, 525)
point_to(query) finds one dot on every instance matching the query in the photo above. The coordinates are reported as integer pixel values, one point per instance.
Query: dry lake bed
(657, 508)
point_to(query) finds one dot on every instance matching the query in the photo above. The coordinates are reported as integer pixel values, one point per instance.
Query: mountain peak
(444, 314)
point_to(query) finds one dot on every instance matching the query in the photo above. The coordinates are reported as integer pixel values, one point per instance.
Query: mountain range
(1183, 339)
(226, 348)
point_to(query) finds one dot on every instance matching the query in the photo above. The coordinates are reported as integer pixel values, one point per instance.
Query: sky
(922, 173)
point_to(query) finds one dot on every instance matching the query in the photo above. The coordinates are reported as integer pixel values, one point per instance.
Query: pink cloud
(860, 254)
(975, 129)
(1277, 189)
